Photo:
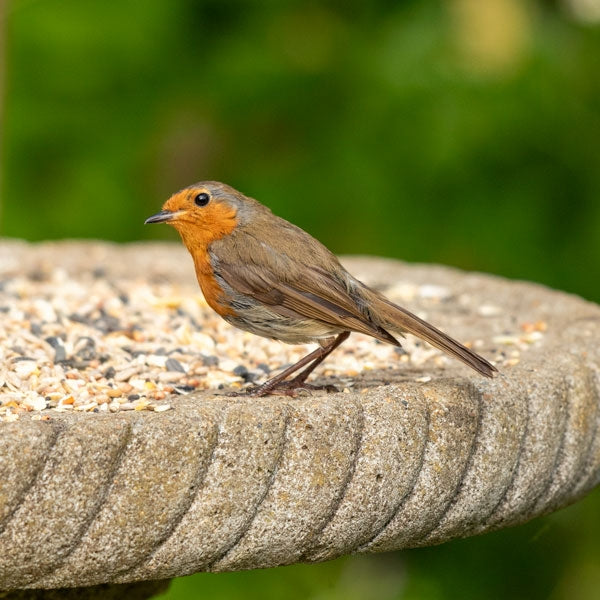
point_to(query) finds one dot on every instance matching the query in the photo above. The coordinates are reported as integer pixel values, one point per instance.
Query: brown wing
(289, 284)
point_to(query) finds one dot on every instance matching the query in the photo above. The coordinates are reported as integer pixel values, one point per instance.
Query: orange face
(199, 217)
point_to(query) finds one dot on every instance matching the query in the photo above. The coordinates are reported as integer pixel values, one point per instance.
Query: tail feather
(397, 318)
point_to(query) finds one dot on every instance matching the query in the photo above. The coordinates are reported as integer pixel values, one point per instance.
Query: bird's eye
(201, 199)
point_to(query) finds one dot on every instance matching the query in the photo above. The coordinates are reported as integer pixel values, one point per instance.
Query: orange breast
(217, 220)
(213, 293)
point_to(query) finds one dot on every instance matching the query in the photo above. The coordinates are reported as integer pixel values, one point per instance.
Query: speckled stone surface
(406, 457)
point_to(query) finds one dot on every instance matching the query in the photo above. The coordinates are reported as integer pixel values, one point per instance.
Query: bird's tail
(399, 319)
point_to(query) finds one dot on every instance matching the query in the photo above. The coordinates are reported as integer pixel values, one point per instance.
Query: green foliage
(380, 127)
(362, 122)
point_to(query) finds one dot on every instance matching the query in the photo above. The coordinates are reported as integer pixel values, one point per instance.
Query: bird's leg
(313, 359)
(327, 350)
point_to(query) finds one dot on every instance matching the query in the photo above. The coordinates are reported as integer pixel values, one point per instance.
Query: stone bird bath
(408, 454)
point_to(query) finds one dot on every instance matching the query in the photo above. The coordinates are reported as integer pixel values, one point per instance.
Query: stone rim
(261, 482)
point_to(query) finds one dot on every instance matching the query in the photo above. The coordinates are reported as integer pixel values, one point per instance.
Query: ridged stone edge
(222, 483)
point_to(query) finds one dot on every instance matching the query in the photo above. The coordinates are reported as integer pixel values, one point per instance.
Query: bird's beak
(164, 216)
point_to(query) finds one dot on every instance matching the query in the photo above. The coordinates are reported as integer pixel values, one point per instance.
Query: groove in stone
(364, 547)
(56, 431)
(250, 520)
(574, 400)
(101, 498)
(187, 503)
(588, 473)
(559, 456)
(491, 518)
(467, 467)
(335, 505)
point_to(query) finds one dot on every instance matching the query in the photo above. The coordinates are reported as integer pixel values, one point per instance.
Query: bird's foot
(291, 388)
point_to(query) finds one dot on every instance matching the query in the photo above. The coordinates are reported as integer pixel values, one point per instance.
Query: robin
(267, 276)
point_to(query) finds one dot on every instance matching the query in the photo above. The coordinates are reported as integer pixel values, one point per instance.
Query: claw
(290, 388)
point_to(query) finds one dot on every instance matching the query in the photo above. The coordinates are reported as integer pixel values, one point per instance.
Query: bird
(267, 276)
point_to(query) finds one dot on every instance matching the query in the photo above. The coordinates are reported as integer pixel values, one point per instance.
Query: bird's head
(203, 212)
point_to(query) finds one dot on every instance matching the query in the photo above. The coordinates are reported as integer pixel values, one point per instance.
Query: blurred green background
(464, 132)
